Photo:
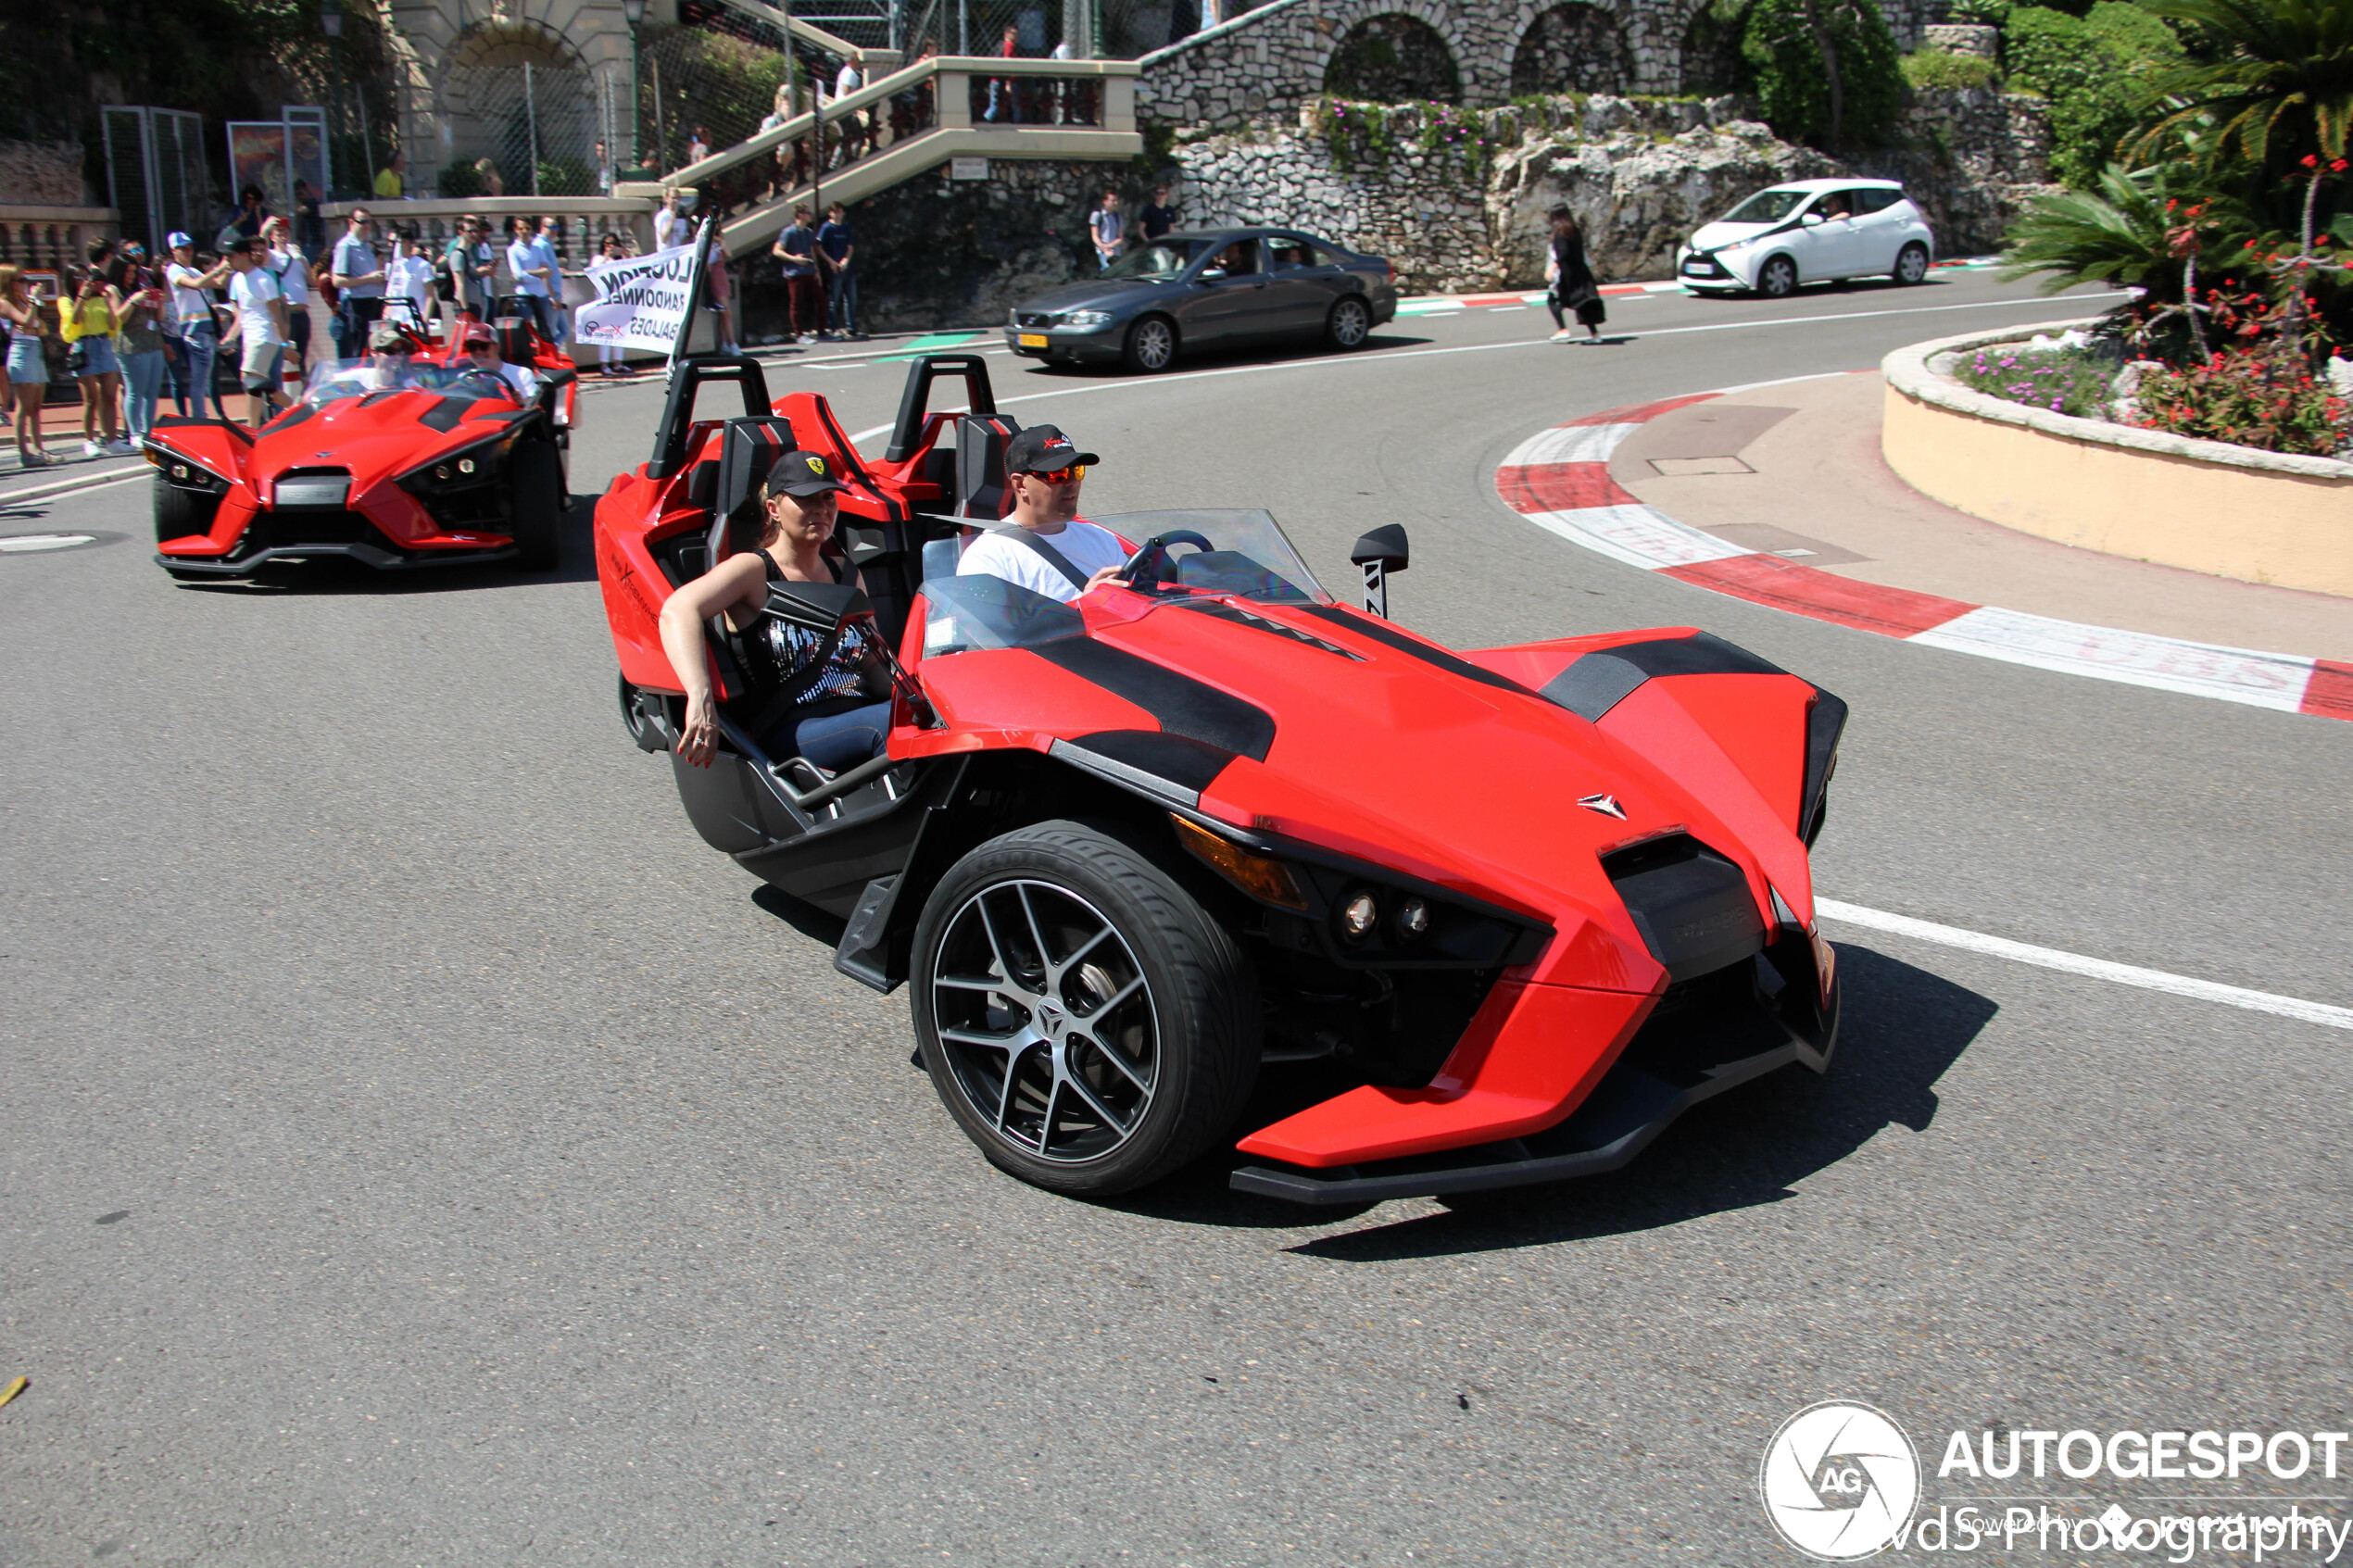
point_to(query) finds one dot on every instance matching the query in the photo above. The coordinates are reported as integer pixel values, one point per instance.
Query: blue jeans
(142, 378)
(536, 309)
(841, 291)
(201, 342)
(835, 740)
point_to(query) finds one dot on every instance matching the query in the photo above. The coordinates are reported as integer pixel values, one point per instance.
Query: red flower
(2311, 161)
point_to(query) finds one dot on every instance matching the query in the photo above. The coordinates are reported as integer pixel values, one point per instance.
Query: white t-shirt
(292, 274)
(188, 304)
(849, 82)
(251, 292)
(1082, 545)
(411, 277)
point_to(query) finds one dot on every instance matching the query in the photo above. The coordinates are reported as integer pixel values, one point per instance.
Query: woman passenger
(816, 695)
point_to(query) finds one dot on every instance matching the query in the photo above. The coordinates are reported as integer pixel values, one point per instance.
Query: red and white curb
(1559, 480)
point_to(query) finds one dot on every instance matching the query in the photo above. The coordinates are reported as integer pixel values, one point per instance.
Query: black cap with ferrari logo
(802, 474)
(1045, 450)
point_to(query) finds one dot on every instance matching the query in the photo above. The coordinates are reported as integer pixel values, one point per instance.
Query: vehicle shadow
(1903, 1028)
(575, 562)
(1227, 358)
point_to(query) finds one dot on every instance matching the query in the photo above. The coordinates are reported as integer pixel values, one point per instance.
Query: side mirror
(1379, 553)
(1210, 274)
(820, 606)
(1812, 220)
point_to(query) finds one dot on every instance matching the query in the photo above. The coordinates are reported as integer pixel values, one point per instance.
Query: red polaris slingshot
(438, 464)
(1128, 850)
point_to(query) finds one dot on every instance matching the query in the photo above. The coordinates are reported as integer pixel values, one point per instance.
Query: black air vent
(1692, 905)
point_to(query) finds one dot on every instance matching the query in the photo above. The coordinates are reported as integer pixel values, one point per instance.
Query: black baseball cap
(1042, 449)
(802, 474)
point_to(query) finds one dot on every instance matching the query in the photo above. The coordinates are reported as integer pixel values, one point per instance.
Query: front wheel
(1350, 324)
(1152, 345)
(1777, 278)
(539, 505)
(1084, 1020)
(181, 512)
(1911, 266)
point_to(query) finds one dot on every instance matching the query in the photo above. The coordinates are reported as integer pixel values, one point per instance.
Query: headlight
(1086, 321)
(477, 464)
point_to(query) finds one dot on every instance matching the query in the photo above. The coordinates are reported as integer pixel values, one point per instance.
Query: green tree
(2094, 70)
(2277, 81)
(1826, 69)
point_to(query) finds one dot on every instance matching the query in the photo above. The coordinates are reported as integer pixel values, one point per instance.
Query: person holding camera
(87, 323)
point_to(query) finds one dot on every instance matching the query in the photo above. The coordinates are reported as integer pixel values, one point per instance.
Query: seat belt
(1046, 553)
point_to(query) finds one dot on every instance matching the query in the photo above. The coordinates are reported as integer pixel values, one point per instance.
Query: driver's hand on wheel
(1106, 575)
(700, 737)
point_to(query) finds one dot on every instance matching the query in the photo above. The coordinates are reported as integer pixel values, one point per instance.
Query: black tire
(1911, 264)
(539, 505)
(1132, 965)
(181, 513)
(1777, 278)
(1349, 323)
(1152, 345)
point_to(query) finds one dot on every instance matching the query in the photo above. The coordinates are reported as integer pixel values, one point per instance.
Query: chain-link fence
(532, 130)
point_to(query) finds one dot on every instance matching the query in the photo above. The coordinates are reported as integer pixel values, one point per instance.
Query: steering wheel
(1150, 562)
(483, 383)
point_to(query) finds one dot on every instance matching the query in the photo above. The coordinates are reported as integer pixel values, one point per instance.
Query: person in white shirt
(261, 317)
(292, 270)
(189, 322)
(1043, 546)
(482, 353)
(853, 128)
(410, 276)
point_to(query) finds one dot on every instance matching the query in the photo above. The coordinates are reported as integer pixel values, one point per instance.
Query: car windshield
(331, 380)
(1186, 555)
(1768, 206)
(1161, 260)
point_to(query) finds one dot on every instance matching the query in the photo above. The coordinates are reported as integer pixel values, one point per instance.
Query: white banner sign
(641, 302)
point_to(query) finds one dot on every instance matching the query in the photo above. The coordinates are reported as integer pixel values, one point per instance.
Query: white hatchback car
(1808, 230)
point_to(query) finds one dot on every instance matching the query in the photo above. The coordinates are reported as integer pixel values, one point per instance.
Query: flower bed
(2207, 505)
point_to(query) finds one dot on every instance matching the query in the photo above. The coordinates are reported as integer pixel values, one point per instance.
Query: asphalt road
(418, 1147)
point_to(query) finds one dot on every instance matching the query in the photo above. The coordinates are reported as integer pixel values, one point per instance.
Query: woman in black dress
(1573, 287)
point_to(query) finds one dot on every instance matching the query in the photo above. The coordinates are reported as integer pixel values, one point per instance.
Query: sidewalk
(1793, 471)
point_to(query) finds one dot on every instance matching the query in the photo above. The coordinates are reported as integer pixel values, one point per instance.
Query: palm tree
(2284, 72)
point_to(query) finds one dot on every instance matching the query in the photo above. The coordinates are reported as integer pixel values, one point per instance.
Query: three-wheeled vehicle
(1529, 903)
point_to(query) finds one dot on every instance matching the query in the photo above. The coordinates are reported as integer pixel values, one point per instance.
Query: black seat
(981, 440)
(748, 450)
(515, 342)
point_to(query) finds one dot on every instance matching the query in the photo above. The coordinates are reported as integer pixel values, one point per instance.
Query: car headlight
(1086, 321)
(474, 465)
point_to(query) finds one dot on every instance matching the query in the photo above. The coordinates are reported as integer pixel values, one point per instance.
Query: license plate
(1699, 267)
(1033, 340)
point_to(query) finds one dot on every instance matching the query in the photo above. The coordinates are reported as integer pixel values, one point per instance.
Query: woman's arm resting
(736, 582)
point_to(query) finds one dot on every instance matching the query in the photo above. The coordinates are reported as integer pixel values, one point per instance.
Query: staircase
(1069, 109)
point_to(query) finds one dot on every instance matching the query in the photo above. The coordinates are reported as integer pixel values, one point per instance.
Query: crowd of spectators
(135, 332)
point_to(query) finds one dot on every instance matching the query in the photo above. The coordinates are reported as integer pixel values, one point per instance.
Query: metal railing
(911, 120)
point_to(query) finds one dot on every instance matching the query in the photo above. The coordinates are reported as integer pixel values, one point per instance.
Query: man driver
(482, 353)
(1042, 546)
(391, 356)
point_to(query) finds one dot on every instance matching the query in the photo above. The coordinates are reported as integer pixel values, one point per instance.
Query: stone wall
(1456, 200)
(42, 174)
(1268, 63)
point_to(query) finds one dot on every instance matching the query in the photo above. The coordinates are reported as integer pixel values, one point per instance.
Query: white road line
(2097, 968)
(1378, 358)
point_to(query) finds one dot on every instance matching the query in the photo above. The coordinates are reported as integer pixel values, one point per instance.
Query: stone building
(459, 62)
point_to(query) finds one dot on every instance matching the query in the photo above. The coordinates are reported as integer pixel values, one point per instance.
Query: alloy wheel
(1151, 344)
(1045, 1020)
(1350, 323)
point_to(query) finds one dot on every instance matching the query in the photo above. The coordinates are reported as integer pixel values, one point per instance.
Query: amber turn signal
(1255, 874)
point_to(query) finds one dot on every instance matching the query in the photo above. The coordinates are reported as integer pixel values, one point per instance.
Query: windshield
(333, 378)
(1162, 259)
(1768, 206)
(1183, 555)
(1242, 553)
